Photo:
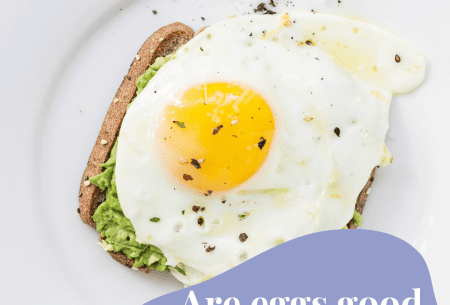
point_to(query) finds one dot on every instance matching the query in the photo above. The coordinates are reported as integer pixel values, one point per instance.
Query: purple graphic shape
(332, 265)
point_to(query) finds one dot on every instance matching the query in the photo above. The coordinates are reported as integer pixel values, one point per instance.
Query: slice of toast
(163, 42)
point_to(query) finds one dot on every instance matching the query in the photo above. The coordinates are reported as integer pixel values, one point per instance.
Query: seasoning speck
(103, 142)
(216, 130)
(209, 249)
(155, 219)
(195, 163)
(182, 212)
(200, 221)
(180, 124)
(337, 131)
(308, 42)
(397, 58)
(201, 49)
(203, 18)
(243, 237)
(78, 210)
(87, 183)
(261, 143)
(187, 177)
(116, 100)
(223, 201)
(195, 208)
(208, 193)
(260, 8)
(154, 12)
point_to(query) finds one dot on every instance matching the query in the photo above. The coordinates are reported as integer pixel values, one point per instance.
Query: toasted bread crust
(362, 197)
(173, 36)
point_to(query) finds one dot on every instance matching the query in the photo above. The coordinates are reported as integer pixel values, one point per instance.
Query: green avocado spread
(117, 230)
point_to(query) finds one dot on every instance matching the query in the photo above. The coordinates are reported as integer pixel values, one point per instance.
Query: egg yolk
(216, 136)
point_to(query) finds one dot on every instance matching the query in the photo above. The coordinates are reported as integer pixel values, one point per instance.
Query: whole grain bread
(163, 42)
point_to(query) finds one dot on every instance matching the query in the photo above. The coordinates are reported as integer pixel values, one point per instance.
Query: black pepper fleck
(337, 131)
(216, 130)
(261, 143)
(154, 12)
(243, 237)
(397, 58)
(209, 249)
(187, 177)
(195, 163)
(200, 221)
(260, 8)
(78, 210)
(195, 208)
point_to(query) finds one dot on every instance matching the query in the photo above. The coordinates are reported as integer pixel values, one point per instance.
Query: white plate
(62, 62)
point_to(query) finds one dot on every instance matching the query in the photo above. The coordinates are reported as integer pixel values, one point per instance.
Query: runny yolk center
(217, 137)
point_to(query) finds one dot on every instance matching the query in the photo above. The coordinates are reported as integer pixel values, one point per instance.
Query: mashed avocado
(357, 218)
(117, 230)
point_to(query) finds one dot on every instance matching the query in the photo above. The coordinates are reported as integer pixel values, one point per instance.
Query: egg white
(317, 173)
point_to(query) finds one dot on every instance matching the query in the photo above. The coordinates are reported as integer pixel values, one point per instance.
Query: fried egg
(260, 129)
